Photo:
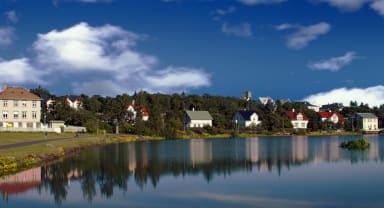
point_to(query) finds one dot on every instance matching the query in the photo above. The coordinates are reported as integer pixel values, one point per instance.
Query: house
(74, 104)
(365, 122)
(332, 107)
(246, 118)
(132, 112)
(20, 108)
(265, 100)
(312, 107)
(197, 119)
(334, 117)
(299, 120)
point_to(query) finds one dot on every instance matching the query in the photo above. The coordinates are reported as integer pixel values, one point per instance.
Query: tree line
(166, 113)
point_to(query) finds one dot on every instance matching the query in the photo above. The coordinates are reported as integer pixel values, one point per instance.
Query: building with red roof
(133, 108)
(298, 119)
(334, 117)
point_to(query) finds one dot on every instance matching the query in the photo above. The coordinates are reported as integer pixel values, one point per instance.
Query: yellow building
(19, 108)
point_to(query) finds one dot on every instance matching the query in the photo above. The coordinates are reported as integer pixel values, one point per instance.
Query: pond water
(237, 172)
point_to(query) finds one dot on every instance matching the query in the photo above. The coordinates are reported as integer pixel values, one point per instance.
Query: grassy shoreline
(18, 158)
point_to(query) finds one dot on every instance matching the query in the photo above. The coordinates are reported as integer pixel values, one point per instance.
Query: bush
(358, 144)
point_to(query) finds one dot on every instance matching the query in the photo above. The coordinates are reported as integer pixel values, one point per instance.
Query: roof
(246, 114)
(293, 115)
(18, 187)
(199, 115)
(329, 114)
(137, 107)
(366, 115)
(17, 93)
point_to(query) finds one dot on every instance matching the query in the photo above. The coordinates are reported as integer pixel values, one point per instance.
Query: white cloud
(346, 5)
(223, 12)
(286, 26)
(19, 71)
(374, 96)
(334, 64)
(254, 2)
(353, 5)
(6, 34)
(378, 6)
(85, 48)
(11, 16)
(106, 60)
(244, 30)
(179, 77)
(304, 34)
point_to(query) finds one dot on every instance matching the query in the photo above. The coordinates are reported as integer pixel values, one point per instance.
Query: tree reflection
(111, 167)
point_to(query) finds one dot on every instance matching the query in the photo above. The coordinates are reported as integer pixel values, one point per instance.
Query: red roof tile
(293, 115)
(17, 93)
(327, 115)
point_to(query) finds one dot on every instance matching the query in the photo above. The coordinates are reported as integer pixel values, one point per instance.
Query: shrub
(358, 144)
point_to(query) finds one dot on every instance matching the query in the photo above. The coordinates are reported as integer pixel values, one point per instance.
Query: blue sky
(318, 50)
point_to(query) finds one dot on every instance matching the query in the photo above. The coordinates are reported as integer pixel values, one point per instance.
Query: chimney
(193, 108)
(293, 110)
(5, 86)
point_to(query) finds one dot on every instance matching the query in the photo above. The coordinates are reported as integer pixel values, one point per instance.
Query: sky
(322, 51)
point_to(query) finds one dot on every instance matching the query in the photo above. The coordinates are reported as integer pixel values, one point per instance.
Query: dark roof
(293, 115)
(366, 115)
(329, 114)
(17, 93)
(246, 114)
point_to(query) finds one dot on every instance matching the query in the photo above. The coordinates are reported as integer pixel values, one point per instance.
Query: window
(296, 125)
(34, 104)
(5, 114)
(24, 103)
(24, 114)
(16, 115)
(34, 115)
(5, 103)
(303, 125)
(15, 103)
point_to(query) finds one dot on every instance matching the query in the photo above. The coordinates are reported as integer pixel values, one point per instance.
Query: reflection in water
(111, 167)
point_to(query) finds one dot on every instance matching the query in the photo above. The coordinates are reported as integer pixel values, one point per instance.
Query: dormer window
(299, 117)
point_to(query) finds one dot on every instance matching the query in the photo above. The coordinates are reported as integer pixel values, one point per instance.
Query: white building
(19, 108)
(197, 119)
(366, 122)
(299, 120)
(75, 104)
(246, 118)
(132, 108)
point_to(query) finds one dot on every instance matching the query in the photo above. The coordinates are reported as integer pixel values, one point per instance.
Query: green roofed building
(197, 119)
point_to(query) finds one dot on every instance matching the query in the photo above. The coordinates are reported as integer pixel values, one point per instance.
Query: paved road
(23, 144)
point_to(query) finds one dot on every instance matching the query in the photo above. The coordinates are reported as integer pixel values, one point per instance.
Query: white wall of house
(199, 123)
(334, 118)
(254, 120)
(370, 124)
(299, 123)
(20, 113)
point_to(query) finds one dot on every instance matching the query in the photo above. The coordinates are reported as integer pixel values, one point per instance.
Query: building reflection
(20, 182)
(107, 168)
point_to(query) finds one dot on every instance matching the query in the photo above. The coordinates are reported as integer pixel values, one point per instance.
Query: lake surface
(252, 172)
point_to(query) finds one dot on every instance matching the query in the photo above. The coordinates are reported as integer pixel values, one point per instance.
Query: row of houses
(22, 110)
(367, 122)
